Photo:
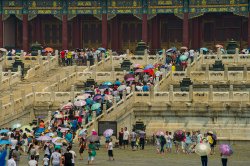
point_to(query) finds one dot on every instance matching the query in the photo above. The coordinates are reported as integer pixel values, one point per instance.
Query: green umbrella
(95, 106)
(183, 58)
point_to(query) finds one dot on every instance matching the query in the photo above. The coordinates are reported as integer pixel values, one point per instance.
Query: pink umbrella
(83, 97)
(94, 132)
(226, 149)
(130, 79)
(159, 133)
(44, 138)
(139, 71)
(67, 106)
(108, 133)
(80, 103)
(108, 97)
(219, 46)
(184, 48)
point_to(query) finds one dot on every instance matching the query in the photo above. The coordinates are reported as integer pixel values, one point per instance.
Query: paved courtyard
(148, 157)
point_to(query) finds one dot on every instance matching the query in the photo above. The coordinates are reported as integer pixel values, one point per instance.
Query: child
(157, 143)
(46, 160)
(82, 147)
(137, 143)
(110, 150)
(224, 159)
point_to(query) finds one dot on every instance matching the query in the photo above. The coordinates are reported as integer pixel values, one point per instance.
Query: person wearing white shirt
(56, 158)
(73, 155)
(11, 162)
(125, 137)
(110, 150)
(32, 162)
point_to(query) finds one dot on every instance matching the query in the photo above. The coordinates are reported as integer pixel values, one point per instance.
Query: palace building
(120, 24)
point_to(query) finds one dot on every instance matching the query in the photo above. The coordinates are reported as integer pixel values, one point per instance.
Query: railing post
(225, 72)
(1, 75)
(114, 102)
(164, 56)
(188, 70)
(34, 93)
(88, 65)
(236, 56)
(94, 120)
(72, 93)
(219, 53)
(10, 79)
(191, 90)
(52, 93)
(104, 106)
(207, 72)
(245, 73)
(23, 98)
(124, 95)
(231, 88)
(22, 55)
(210, 92)
(58, 82)
(49, 62)
(57, 57)
(146, 55)
(1, 109)
(171, 93)
(12, 104)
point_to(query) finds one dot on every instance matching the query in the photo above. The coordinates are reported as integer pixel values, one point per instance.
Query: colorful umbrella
(17, 125)
(138, 66)
(4, 131)
(80, 103)
(130, 79)
(93, 138)
(204, 49)
(226, 149)
(49, 134)
(202, 149)
(219, 46)
(26, 127)
(64, 129)
(5, 142)
(48, 49)
(102, 49)
(121, 87)
(108, 133)
(159, 133)
(94, 132)
(149, 71)
(179, 135)
(58, 140)
(97, 97)
(3, 50)
(107, 83)
(95, 106)
(184, 48)
(150, 66)
(82, 132)
(129, 76)
(83, 97)
(139, 71)
(67, 106)
(171, 50)
(183, 58)
(44, 138)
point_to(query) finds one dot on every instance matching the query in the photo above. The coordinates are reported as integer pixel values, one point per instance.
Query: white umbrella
(3, 50)
(58, 116)
(44, 138)
(202, 149)
(80, 103)
(64, 129)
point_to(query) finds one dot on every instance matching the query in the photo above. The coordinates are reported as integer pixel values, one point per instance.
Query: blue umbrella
(150, 66)
(89, 101)
(4, 142)
(103, 87)
(170, 50)
(102, 49)
(204, 49)
(4, 131)
(107, 83)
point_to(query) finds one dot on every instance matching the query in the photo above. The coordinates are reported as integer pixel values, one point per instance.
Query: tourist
(11, 161)
(204, 160)
(37, 147)
(162, 143)
(47, 150)
(110, 150)
(125, 137)
(24, 142)
(68, 158)
(46, 160)
(199, 137)
(210, 141)
(31, 151)
(120, 137)
(188, 143)
(73, 155)
(82, 147)
(133, 139)
(169, 139)
(14, 142)
(32, 161)
(91, 152)
(224, 159)
(142, 136)
(16, 153)
(56, 158)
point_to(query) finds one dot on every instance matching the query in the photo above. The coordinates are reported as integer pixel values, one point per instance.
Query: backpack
(214, 139)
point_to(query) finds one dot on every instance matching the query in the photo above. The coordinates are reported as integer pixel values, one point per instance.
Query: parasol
(226, 149)
(179, 135)
(80, 103)
(48, 49)
(95, 106)
(83, 97)
(184, 48)
(108, 97)
(103, 87)
(202, 149)
(159, 133)
(219, 46)
(58, 116)
(107, 83)
(183, 58)
(4, 131)
(44, 138)
(121, 87)
(97, 97)
(139, 71)
(5, 142)
(108, 133)
(150, 66)
(127, 76)
(67, 106)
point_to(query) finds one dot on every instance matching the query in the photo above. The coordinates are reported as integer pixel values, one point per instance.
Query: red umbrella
(149, 71)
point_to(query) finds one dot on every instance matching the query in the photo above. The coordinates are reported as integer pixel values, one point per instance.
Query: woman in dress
(92, 152)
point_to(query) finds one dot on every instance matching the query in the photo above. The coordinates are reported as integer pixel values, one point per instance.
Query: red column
(76, 33)
(248, 36)
(1, 31)
(64, 32)
(155, 33)
(104, 31)
(185, 33)
(25, 33)
(196, 33)
(145, 28)
(114, 34)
